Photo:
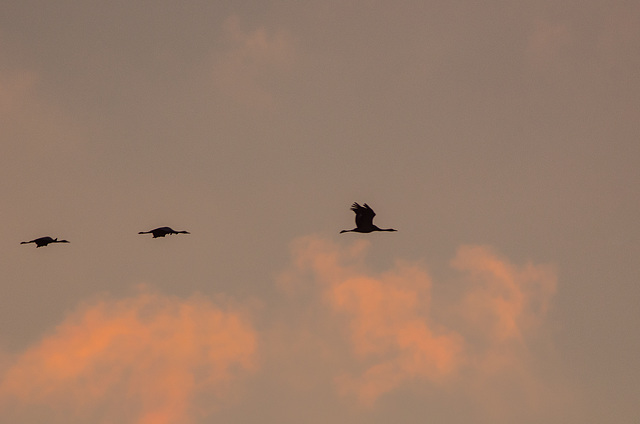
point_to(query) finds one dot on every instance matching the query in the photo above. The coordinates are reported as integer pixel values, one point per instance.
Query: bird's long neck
(375, 228)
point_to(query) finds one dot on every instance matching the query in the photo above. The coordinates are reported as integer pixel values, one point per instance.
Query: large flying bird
(163, 231)
(43, 241)
(364, 220)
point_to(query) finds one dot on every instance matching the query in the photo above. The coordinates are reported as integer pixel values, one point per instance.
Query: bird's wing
(364, 215)
(369, 211)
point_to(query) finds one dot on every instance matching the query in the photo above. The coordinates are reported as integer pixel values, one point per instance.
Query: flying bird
(364, 220)
(43, 241)
(163, 231)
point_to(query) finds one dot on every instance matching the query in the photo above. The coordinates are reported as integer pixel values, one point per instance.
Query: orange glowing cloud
(506, 301)
(145, 359)
(503, 309)
(392, 332)
(387, 318)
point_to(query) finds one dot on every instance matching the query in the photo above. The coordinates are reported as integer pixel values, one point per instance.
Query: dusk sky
(501, 139)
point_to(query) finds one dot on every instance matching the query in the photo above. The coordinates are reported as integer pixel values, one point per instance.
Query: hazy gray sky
(501, 140)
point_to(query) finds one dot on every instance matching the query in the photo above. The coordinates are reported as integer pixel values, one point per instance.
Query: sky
(501, 140)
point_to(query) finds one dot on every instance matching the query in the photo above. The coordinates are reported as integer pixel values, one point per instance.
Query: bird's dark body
(364, 220)
(43, 241)
(364, 230)
(163, 231)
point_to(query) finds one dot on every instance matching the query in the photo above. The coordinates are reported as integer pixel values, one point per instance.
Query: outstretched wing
(364, 215)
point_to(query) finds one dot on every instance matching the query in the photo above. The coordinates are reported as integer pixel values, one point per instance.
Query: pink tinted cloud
(253, 58)
(505, 301)
(144, 359)
(33, 128)
(393, 334)
(388, 320)
(503, 309)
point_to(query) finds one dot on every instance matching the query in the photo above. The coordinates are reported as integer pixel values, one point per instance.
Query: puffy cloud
(361, 334)
(143, 359)
(252, 58)
(388, 320)
(506, 301)
(503, 307)
(34, 130)
(395, 335)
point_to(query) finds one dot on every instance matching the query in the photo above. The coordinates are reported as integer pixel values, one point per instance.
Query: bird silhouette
(163, 231)
(364, 220)
(43, 241)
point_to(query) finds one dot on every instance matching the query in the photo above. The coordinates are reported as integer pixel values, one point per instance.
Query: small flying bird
(163, 231)
(364, 220)
(43, 241)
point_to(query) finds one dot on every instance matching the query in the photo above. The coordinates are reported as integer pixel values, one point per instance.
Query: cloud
(506, 301)
(388, 320)
(253, 58)
(394, 333)
(342, 330)
(503, 309)
(34, 128)
(143, 359)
